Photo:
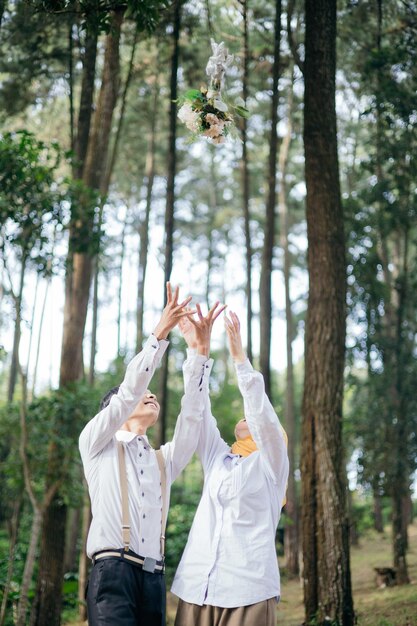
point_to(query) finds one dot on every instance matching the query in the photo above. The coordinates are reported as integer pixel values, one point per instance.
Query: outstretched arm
(179, 451)
(100, 430)
(210, 441)
(263, 422)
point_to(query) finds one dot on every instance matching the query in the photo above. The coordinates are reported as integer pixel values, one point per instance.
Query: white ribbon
(217, 64)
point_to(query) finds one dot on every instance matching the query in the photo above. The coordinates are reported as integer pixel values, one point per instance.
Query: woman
(228, 574)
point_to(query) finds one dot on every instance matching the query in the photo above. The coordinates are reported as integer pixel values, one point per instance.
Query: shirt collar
(128, 436)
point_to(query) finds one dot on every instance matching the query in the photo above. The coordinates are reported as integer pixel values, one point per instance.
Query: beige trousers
(259, 614)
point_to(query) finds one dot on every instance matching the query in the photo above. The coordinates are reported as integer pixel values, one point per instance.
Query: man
(126, 585)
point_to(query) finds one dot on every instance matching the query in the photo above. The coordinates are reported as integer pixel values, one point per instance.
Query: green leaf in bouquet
(193, 94)
(242, 111)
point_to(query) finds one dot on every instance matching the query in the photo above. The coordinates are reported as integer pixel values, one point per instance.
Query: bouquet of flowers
(204, 111)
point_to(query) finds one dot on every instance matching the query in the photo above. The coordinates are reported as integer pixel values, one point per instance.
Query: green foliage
(381, 212)
(33, 53)
(181, 515)
(30, 198)
(145, 13)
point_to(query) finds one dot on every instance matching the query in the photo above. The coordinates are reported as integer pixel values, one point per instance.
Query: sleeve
(100, 430)
(264, 424)
(210, 442)
(178, 452)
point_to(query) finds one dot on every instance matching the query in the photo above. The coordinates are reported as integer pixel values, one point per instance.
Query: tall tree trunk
(86, 100)
(400, 486)
(47, 607)
(71, 540)
(291, 543)
(378, 521)
(246, 182)
(94, 324)
(17, 330)
(120, 121)
(32, 322)
(35, 531)
(41, 319)
(144, 224)
(169, 209)
(83, 562)
(14, 529)
(214, 202)
(120, 289)
(2, 9)
(395, 275)
(325, 525)
(104, 188)
(38, 506)
(71, 83)
(265, 295)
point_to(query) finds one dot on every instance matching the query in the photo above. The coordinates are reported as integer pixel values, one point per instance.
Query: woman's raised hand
(235, 340)
(188, 331)
(202, 328)
(172, 313)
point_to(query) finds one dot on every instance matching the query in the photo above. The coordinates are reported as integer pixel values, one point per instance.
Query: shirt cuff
(244, 368)
(154, 344)
(200, 364)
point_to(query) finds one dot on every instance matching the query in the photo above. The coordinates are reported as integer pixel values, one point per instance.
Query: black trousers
(122, 594)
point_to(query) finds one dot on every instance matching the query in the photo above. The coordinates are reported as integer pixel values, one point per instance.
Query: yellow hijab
(246, 446)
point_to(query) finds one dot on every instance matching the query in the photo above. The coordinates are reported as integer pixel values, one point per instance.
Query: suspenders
(125, 499)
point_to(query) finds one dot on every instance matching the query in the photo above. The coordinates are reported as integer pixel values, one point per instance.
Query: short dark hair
(105, 401)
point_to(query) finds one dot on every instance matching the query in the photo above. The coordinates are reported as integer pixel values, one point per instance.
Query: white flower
(219, 104)
(189, 117)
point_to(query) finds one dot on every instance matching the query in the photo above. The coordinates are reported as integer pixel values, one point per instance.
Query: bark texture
(270, 221)
(291, 535)
(169, 209)
(246, 183)
(47, 607)
(325, 527)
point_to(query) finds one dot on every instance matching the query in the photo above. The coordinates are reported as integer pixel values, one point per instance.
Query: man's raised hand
(188, 331)
(172, 313)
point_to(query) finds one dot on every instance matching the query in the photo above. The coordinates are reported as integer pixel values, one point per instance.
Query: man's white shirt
(98, 448)
(230, 557)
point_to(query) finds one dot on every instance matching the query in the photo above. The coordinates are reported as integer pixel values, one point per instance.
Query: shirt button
(143, 494)
(147, 369)
(143, 541)
(144, 516)
(140, 453)
(141, 471)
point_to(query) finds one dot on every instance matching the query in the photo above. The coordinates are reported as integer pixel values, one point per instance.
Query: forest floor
(393, 606)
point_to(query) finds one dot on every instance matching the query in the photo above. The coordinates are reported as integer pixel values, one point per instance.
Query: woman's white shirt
(230, 558)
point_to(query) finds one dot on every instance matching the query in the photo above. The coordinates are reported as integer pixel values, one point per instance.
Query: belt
(146, 563)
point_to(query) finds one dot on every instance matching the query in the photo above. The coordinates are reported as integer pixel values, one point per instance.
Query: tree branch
(291, 41)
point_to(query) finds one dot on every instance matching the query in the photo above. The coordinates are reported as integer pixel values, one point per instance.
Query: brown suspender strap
(162, 471)
(125, 498)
